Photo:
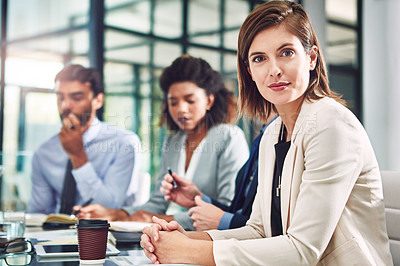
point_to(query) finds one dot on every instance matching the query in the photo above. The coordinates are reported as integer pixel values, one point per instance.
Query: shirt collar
(92, 131)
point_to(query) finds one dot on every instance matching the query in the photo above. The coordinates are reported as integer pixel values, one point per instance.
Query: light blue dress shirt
(113, 162)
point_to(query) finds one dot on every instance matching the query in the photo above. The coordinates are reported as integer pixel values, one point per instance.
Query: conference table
(130, 253)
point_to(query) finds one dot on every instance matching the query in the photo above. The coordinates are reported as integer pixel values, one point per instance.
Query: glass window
(118, 77)
(25, 132)
(114, 40)
(59, 48)
(165, 53)
(230, 63)
(231, 39)
(344, 11)
(236, 12)
(12, 96)
(133, 15)
(342, 51)
(168, 18)
(36, 73)
(120, 110)
(27, 18)
(204, 23)
(211, 56)
(144, 132)
(42, 121)
(135, 54)
(203, 16)
(342, 45)
(208, 39)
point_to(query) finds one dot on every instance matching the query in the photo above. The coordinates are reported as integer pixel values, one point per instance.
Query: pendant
(278, 188)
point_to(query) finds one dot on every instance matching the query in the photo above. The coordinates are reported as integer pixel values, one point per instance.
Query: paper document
(130, 260)
(128, 226)
(68, 236)
(35, 219)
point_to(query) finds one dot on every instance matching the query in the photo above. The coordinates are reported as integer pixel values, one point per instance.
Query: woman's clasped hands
(157, 247)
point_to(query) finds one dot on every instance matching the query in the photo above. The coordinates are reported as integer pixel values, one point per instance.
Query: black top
(281, 149)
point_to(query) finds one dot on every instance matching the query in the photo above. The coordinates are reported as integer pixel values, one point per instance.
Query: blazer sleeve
(238, 220)
(219, 205)
(230, 160)
(238, 181)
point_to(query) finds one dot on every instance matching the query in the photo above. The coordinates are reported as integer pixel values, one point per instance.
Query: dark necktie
(68, 194)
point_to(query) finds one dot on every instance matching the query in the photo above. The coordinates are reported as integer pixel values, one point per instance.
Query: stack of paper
(35, 219)
(128, 226)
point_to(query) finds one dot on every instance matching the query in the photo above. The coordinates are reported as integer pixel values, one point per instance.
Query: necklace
(278, 188)
(281, 136)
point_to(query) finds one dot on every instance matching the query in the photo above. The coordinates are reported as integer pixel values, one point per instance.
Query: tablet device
(125, 237)
(67, 250)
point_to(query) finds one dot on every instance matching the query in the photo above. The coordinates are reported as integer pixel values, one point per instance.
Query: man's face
(77, 98)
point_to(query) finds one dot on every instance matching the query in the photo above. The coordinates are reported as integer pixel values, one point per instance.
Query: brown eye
(258, 59)
(287, 53)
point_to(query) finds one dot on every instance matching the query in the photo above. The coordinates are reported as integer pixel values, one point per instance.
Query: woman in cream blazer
(319, 199)
(332, 202)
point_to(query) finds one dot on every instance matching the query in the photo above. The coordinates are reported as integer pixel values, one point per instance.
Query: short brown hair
(83, 75)
(295, 19)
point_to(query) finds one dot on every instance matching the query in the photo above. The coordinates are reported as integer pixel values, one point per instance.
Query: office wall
(381, 94)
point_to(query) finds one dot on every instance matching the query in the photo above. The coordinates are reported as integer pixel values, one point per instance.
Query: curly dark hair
(198, 71)
(83, 75)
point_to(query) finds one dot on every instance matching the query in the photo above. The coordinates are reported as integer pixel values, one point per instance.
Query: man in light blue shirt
(104, 159)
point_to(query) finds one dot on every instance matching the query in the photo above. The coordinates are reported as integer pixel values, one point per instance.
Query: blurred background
(131, 41)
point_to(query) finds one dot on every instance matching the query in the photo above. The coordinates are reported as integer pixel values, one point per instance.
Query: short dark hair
(197, 70)
(83, 75)
(295, 19)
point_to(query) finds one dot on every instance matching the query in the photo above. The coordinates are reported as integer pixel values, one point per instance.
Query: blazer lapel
(266, 166)
(287, 174)
(290, 160)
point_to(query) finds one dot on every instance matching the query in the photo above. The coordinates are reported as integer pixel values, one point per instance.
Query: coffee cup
(92, 240)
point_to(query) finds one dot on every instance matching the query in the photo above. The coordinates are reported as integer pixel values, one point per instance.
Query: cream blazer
(332, 201)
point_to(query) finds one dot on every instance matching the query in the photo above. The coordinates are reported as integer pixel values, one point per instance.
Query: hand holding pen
(182, 193)
(174, 183)
(83, 205)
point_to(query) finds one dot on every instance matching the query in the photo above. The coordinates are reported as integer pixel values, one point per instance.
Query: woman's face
(280, 67)
(188, 104)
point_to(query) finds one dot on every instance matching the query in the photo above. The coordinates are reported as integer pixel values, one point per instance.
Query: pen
(173, 178)
(83, 205)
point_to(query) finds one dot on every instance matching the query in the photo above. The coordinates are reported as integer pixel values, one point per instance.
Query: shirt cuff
(83, 170)
(206, 198)
(225, 221)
